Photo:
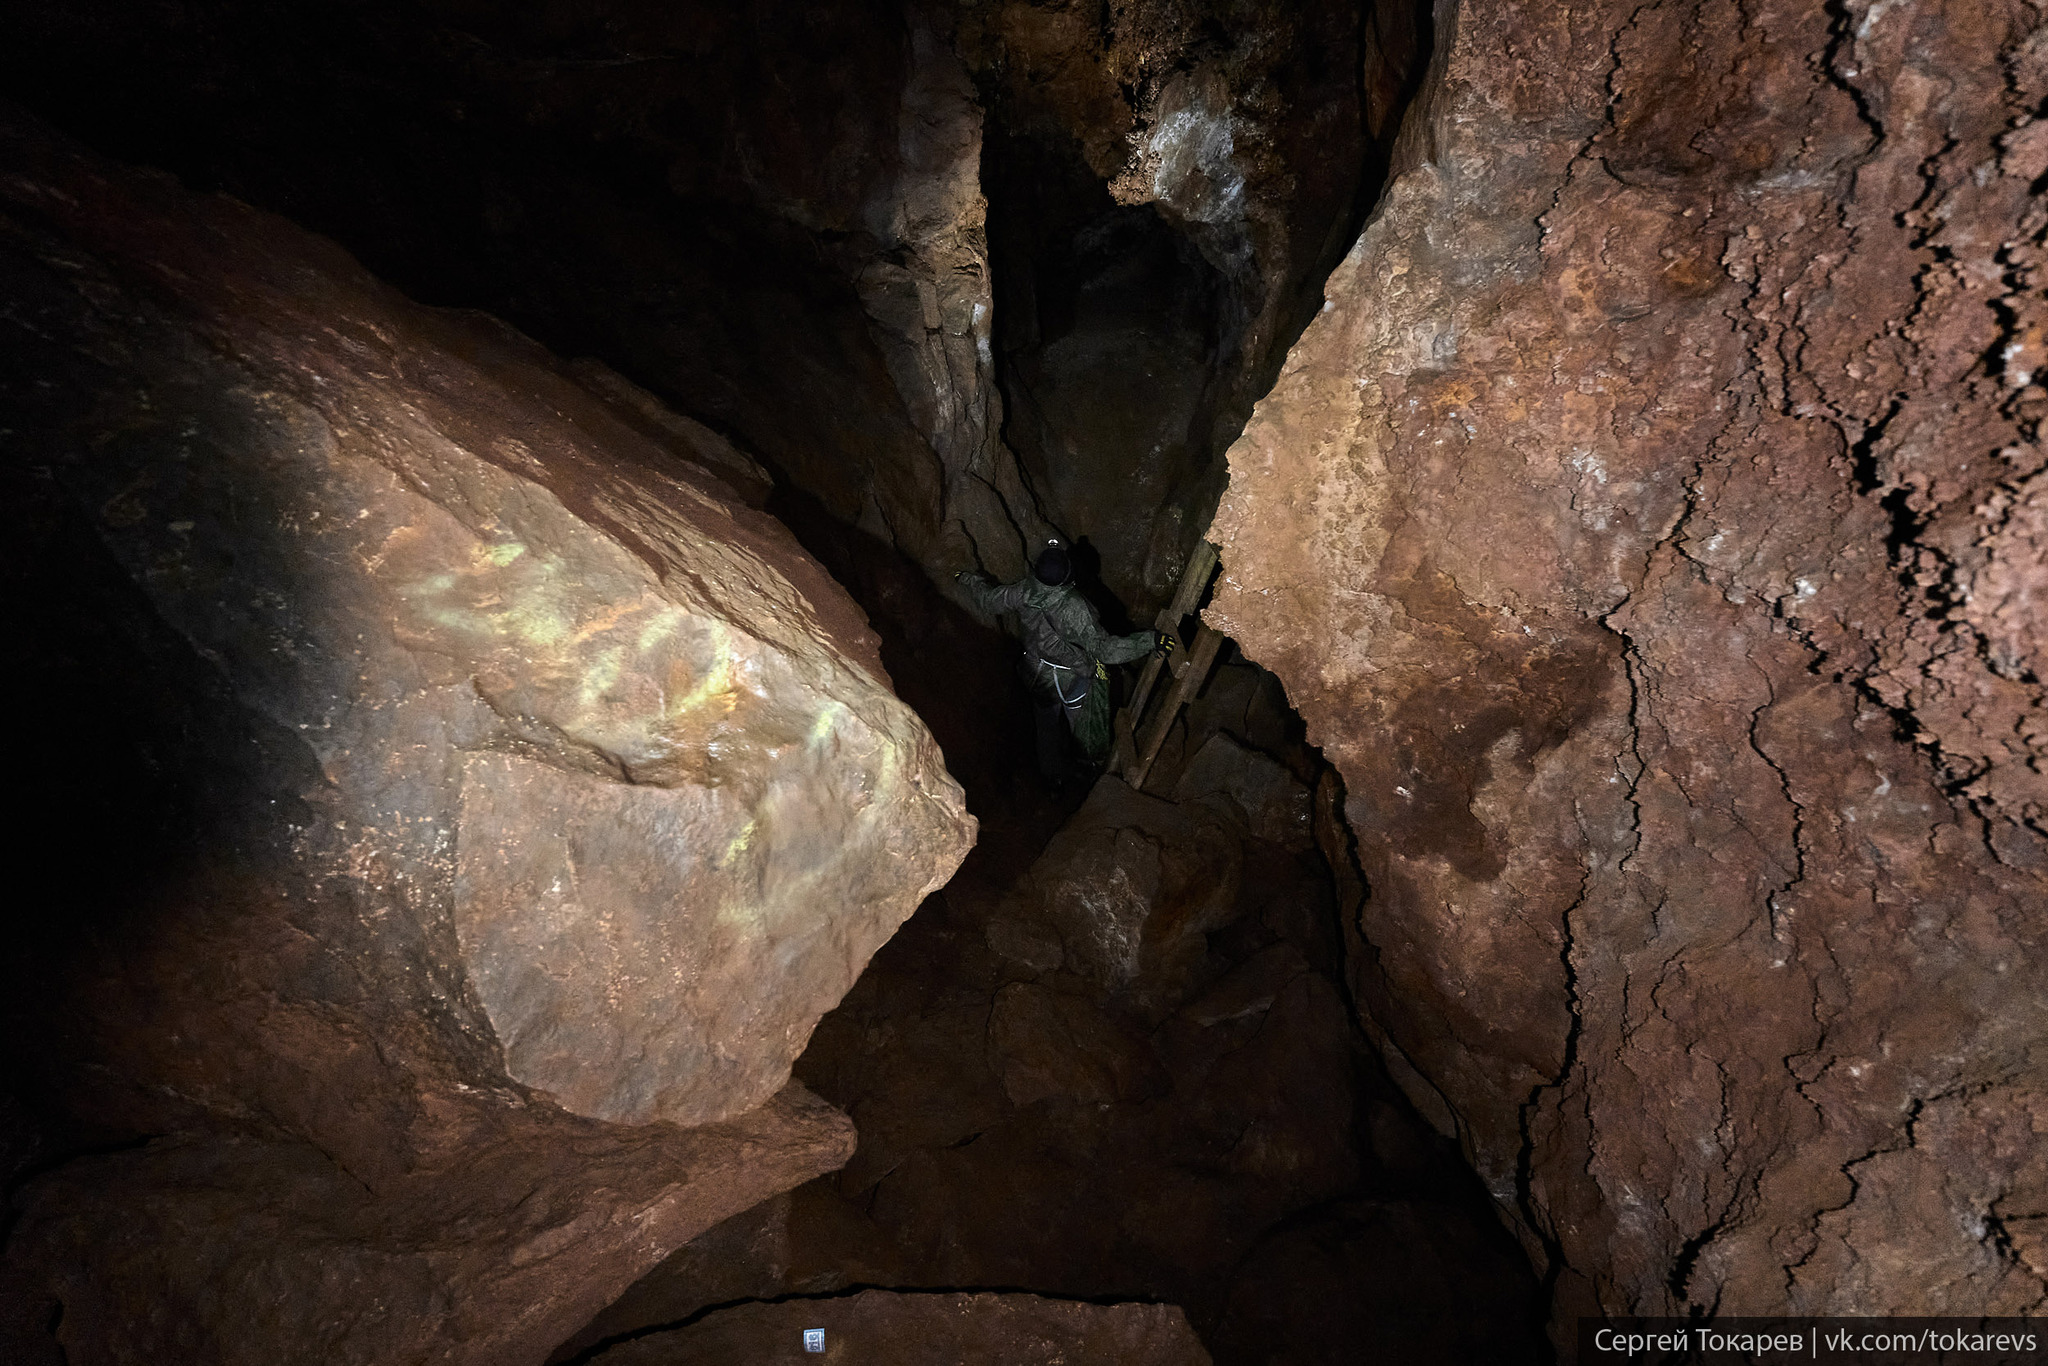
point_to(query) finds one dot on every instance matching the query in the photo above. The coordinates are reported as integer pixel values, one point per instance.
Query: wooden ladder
(1138, 740)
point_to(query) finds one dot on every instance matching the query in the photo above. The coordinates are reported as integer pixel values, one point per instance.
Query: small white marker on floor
(814, 1339)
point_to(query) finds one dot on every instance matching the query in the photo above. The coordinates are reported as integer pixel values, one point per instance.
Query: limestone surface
(1646, 531)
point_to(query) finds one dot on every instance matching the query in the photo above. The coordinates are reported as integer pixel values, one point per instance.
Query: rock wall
(1168, 180)
(778, 223)
(774, 222)
(1649, 531)
(460, 806)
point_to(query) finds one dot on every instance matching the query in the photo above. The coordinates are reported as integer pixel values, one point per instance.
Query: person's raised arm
(1079, 624)
(989, 596)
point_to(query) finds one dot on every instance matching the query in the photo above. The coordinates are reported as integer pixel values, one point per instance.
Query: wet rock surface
(1641, 534)
(493, 795)
(925, 1330)
(1113, 1058)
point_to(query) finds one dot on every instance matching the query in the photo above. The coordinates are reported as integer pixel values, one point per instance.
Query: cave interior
(811, 308)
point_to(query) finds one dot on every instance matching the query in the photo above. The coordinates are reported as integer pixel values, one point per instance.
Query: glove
(1166, 644)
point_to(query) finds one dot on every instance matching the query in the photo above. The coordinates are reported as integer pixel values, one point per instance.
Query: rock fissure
(1536, 1217)
(1796, 874)
(1840, 40)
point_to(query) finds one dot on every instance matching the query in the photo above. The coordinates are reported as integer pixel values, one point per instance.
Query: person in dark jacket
(1065, 651)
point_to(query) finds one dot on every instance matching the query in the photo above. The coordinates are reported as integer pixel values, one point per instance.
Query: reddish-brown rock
(1646, 530)
(450, 781)
(1250, 789)
(1132, 884)
(775, 225)
(245, 1250)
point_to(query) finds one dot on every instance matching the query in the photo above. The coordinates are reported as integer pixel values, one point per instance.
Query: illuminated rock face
(532, 652)
(528, 771)
(1637, 531)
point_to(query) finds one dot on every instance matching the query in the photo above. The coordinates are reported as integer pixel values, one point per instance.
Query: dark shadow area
(149, 780)
(606, 178)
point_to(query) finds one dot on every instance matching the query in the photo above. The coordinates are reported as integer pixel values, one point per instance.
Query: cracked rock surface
(1648, 531)
(470, 806)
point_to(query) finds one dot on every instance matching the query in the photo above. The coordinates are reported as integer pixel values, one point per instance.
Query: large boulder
(1131, 885)
(1647, 532)
(247, 1248)
(452, 775)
